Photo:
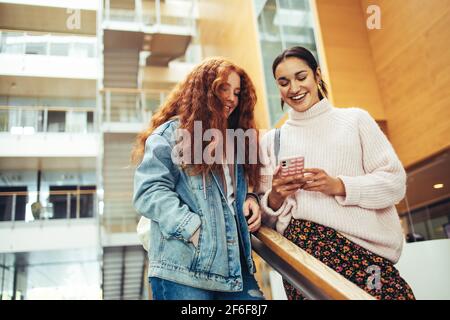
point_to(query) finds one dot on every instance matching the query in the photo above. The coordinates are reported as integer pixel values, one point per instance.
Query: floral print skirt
(372, 273)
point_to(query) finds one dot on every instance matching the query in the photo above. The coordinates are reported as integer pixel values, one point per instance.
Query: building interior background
(79, 79)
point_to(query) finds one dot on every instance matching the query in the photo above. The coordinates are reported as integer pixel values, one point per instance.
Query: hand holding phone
(292, 166)
(287, 179)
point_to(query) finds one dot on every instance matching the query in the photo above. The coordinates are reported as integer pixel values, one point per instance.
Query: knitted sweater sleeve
(270, 217)
(384, 183)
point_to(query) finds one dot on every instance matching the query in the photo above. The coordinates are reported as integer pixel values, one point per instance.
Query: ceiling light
(438, 186)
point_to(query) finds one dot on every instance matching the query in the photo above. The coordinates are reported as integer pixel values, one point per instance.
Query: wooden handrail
(318, 279)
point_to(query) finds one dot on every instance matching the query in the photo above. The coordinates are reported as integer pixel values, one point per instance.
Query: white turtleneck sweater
(348, 144)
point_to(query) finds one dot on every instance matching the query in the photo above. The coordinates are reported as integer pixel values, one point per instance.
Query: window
(430, 222)
(13, 202)
(282, 24)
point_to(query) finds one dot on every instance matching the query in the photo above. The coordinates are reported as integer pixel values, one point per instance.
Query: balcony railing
(63, 204)
(37, 119)
(21, 43)
(155, 14)
(130, 105)
(313, 278)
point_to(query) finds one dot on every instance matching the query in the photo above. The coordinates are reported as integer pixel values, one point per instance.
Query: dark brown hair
(305, 55)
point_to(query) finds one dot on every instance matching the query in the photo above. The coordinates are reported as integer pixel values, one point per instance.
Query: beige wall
(347, 52)
(400, 73)
(228, 29)
(411, 54)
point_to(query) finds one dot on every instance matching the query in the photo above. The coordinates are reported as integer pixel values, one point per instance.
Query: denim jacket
(177, 204)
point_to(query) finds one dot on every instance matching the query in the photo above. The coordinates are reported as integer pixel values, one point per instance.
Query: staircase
(118, 173)
(123, 270)
(121, 68)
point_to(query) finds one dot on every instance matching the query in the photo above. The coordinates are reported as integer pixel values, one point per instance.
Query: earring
(319, 86)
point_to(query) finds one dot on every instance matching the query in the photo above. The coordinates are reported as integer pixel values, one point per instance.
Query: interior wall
(347, 53)
(229, 29)
(412, 64)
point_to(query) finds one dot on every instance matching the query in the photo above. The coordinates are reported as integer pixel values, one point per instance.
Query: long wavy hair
(303, 54)
(197, 98)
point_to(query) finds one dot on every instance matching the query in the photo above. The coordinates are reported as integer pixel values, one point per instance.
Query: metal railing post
(78, 203)
(138, 11)
(19, 117)
(68, 205)
(158, 12)
(13, 208)
(45, 126)
(107, 10)
(108, 106)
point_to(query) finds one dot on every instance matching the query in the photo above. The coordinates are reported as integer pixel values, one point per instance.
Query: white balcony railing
(43, 119)
(63, 204)
(133, 106)
(27, 43)
(160, 16)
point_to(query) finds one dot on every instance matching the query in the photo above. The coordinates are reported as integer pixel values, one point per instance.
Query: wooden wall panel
(229, 29)
(411, 54)
(348, 56)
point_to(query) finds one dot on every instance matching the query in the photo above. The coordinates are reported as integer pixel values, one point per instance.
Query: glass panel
(13, 42)
(82, 50)
(76, 121)
(59, 49)
(8, 203)
(36, 48)
(59, 196)
(87, 201)
(152, 103)
(47, 44)
(124, 108)
(90, 121)
(29, 119)
(4, 120)
(428, 223)
(56, 121)
(282, 24)
(122, 15)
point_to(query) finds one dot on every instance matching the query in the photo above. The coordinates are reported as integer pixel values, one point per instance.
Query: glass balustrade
(30, 120)
(32, 43)
(179, 14)
(59, 202)
(131, 106)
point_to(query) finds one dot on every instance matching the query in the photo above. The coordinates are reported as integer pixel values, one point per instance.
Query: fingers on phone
(277, 170)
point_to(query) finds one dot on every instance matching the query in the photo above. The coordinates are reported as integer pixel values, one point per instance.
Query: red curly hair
(197, 98)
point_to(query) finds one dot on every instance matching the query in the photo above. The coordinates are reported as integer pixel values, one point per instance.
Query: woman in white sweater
(341, 209)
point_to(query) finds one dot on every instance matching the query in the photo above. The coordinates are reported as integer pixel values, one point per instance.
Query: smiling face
(230, 91)
(297, 83)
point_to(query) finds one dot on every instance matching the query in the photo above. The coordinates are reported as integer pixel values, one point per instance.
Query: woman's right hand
(283, 187)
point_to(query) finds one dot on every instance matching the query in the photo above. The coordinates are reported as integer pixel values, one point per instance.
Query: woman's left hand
(318, 180)
(251, 208)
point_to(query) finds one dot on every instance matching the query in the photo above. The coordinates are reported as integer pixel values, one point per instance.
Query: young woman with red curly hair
(199, 237)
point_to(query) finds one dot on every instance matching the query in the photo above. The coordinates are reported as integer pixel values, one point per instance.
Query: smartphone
(292, 166)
